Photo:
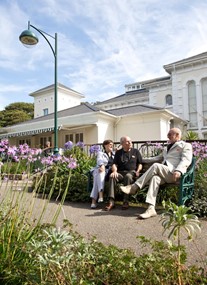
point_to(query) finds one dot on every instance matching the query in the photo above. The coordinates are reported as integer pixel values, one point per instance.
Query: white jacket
(179, 157)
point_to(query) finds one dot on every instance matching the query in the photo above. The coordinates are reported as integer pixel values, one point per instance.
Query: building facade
(183, 91)
(145, 111)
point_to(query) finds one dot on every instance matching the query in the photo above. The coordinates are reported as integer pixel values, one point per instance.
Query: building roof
(136, 109)
(149, 81)
(59, 85)
(83, 108)
(190, 60)
(128, 95)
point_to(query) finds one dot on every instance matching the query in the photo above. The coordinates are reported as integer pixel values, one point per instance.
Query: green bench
(185, 183)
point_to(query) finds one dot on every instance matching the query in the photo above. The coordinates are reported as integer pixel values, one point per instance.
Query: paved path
(116, 227)
(121, 228)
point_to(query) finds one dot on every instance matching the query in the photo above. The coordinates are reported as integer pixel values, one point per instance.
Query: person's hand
(176, 175)
(102, 168)
(114, 174)
(137, 173)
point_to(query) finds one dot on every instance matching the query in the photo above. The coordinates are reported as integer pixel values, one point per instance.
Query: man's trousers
(155, 176)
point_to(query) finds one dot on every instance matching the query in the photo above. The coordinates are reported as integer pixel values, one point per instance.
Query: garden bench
(185, 184)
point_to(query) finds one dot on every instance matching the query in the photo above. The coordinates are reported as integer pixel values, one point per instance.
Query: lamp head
(28, 38)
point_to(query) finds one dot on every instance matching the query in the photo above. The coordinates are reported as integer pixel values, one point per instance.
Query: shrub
(199, 201)
(42, 254)
(77, 190)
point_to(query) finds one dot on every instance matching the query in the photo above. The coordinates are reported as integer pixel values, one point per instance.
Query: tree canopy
(16, 113)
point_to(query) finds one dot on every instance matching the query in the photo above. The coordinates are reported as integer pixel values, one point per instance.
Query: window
(168, 100)
(27, 141)
(78, 137)
(69, 138)
(45, 111)
(192, 104)
(172, 124)
(204, 101)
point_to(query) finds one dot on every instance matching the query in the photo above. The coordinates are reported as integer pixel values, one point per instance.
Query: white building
(44, 99)
(183, 91)
(145, 111)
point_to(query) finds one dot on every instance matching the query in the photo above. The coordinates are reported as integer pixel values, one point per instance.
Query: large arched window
(204, 101)
(192, 104)
(168, 100)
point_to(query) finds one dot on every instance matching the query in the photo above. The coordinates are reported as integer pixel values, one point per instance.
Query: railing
(139, 144)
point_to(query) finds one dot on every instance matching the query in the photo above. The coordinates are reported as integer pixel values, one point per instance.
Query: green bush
(199, 201)
(77, 191)
(46, 255)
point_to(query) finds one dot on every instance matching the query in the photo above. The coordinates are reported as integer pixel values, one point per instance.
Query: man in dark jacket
(126, 168)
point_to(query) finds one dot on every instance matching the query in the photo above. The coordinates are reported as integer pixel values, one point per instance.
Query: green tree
(16, 113)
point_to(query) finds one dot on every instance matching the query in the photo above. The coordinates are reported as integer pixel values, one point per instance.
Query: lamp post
(28, 38)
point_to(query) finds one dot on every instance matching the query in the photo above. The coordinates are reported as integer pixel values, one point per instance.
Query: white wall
(144, 128)
(45, 100)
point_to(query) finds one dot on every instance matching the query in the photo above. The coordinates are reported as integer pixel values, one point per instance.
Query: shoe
(109, 207)
(125, 206)
(100, 200)
(93, 206)
(150, 212)
(130, 189)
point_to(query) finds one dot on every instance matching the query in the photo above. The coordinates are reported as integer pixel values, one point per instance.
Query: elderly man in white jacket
(176, 159)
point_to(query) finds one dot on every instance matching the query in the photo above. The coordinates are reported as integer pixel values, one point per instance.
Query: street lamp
(28, 38)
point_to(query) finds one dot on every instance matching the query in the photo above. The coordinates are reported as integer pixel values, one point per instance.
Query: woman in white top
(101, 172)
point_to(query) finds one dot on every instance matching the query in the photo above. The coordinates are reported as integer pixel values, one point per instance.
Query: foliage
(191, 136)
(36, 253)
(199, 201)
(19, 160)
(16, 113)
(177, 218)
(79, 179)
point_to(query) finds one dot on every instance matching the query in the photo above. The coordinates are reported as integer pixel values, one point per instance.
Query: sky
(102, 45)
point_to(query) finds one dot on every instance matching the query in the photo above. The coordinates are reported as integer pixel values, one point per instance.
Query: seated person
(47, 150)
(126, 167)
(101, 172)
(176, 159)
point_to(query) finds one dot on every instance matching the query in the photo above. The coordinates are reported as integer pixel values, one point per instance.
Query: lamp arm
(43, 34)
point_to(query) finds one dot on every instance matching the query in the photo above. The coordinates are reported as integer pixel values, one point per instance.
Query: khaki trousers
(155, 176)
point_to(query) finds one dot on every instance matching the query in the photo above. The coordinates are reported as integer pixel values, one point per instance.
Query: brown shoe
(125, 206)
(109, 207)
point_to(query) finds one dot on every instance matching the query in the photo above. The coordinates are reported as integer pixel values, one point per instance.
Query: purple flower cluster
(199, 150)
(80, 145)
(70, 162)
(33, 154)
(94, 149)
(15, 153)
(4, 144)
(68, 145)
(159, 146)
